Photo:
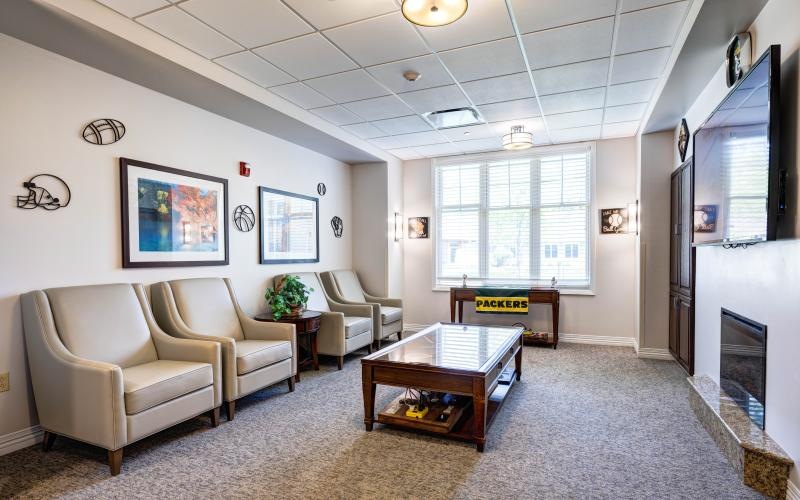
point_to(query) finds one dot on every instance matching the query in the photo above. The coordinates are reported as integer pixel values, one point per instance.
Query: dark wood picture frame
(124, 163)
(261, 235)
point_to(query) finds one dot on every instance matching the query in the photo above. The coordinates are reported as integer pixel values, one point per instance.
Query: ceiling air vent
(450, 118)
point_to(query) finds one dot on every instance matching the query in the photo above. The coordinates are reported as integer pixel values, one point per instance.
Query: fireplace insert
(743, 363)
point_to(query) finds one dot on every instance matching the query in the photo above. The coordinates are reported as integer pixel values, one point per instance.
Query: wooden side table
(306, 327)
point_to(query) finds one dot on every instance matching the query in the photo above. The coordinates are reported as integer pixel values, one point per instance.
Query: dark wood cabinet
(681, 268)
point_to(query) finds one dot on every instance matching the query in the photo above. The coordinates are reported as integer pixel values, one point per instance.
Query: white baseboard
(652, 353)
(792, 491)
(571, 338)
(20, 439)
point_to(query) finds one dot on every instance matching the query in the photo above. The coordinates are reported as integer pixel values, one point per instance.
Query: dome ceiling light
(517, 139)
(434, 12)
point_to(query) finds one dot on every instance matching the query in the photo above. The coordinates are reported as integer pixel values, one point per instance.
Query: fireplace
(743, 363)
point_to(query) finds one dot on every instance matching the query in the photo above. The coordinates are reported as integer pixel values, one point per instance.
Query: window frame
(591, 146)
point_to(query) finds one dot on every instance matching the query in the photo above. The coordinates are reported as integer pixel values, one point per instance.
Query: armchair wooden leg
(214, 415)
(369, 348)
(47, 440)
(115, 461)
(399, 335)
(291, 384)
(230, 409)
(340, 361)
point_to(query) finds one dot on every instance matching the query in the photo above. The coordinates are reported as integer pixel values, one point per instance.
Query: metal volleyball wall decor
(45, 191)
(103, 131)
(338, 226)
(244, 218)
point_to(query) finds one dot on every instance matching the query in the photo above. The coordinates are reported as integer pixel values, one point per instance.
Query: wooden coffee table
(306, 327)
(462, 360)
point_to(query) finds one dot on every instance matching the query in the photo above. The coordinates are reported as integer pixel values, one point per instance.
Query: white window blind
(518, 220)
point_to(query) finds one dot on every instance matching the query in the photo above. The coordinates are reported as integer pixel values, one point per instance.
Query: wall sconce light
(398, 226)
(633, 217)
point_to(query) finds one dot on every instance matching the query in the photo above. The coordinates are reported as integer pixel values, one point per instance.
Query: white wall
(614, 299)
(371, 240)
(47, 100)
(761, 282)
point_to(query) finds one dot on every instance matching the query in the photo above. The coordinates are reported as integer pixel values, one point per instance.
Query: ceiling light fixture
(518, 138)
(434, 12)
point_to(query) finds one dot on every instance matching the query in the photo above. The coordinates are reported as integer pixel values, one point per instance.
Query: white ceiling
(569, 70)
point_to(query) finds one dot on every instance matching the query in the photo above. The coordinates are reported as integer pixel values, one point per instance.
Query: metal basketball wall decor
(321, 189)
(103, 131)
(338, 226)
(243, 218)
(45, 191)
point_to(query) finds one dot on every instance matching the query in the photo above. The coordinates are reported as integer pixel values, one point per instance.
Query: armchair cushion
(254, 354)
(348, 285)
(151, 384)
(390, 314)
(206, 307)
(353, 325)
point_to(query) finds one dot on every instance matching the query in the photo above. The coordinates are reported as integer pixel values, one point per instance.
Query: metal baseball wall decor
(243, 218)
(103, 131)
(321, 189)
(41, 189)
(338, 226)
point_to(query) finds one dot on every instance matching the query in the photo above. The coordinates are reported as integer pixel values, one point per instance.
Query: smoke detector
(411, 76)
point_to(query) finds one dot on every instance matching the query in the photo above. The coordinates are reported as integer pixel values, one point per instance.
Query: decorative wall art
(338, 226)
(172, 217)
(705, 218)
(613, 220)
(321, 189)
(289, 226)
(103, 131)
(683, 139)
(243, 218)
(45, 191)
(737, 58)
(417, 227)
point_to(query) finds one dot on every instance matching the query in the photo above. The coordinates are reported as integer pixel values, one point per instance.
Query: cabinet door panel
(687, 213)
(673, 325)
(685, 337)
(674, 229)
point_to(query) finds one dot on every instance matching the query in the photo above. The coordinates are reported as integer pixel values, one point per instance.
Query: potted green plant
(288, 298)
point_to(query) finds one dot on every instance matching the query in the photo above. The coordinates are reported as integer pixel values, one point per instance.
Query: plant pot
(296, 311)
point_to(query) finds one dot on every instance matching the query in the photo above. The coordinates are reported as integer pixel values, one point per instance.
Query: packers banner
(501, 301)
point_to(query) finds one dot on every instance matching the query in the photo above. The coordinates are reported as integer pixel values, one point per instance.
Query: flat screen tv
(737, 178)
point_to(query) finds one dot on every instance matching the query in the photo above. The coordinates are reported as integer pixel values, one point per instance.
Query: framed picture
(289, 226)
(613, 220)
(417, 227)
(172, 217)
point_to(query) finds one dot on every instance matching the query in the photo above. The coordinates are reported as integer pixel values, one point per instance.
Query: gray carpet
(585, 422)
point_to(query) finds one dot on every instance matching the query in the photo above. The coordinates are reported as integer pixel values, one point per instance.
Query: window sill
(564, 291)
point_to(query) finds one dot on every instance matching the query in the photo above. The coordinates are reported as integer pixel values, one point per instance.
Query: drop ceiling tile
(569, 44)
(626, 113)
(471, 132)
(639, 65)
(302, 95)
(348, 86)
(629, 5)
(501, 57)
(542, 14)
(624, 129)
(402, 125)
(337, 115)
(570, 77)
(573, 101)
(510, 110)
(575, 119)
(501, 88)
(488, 144)
(406, 153)
(650, 28)
(254, 69)
(433, 74)
(307, 57)
(378, 40)
(133, 8)
(409, 140)
(249, 22)
(576, 134)
(439, 149)
(436, 99)
(379, 108)
(182, 28)
(327, 14)
(484, 21)
(364, 130)
(632, 92)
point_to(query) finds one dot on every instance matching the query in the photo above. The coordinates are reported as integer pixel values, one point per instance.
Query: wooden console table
(459, 295)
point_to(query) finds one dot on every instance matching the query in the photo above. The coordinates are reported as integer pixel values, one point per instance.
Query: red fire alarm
(244, 169)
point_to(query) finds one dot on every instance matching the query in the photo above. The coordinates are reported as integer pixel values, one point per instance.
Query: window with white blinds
(519, 220)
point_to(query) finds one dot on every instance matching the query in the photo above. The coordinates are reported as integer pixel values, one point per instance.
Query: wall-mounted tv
(737, 178)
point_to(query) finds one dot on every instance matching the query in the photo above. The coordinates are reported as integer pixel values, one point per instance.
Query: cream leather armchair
(255, 355)
(104, 373)
(344, 328)
(387, 313)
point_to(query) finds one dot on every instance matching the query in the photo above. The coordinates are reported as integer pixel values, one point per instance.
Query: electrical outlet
(4, 387)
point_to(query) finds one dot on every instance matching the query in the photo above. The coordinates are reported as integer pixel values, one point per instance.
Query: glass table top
(462, 347)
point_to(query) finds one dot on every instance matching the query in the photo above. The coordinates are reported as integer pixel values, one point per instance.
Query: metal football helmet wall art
(44, 191)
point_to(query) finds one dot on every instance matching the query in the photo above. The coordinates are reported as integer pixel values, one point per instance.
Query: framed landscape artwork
(172, 217)
(289, 226)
